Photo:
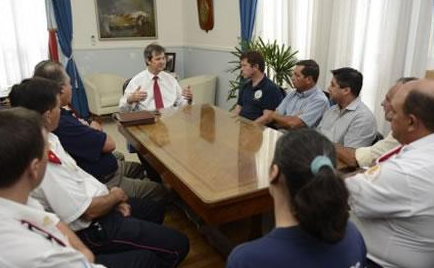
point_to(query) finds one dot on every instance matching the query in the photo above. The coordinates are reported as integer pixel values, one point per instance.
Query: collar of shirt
(399, 150)
(306, 93)
(351, 107)
(27, 212)
(150, 76)
(64, 111)
(420, 143)
(65, 159)
(260, 84)
(354, 104)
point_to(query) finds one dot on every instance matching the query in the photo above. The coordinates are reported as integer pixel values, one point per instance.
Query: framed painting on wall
(126, 19)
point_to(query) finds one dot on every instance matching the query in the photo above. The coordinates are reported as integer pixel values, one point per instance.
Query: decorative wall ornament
(206, 14)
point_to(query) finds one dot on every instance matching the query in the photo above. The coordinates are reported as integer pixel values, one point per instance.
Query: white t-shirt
(66, 189)
(393, 205)
(170, 91)
(29, 238)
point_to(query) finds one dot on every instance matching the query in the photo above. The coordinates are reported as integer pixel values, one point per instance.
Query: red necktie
(157, 94)
(388, 155)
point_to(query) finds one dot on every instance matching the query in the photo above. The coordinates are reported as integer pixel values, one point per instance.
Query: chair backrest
(107, 82)
(378, 137)
(103, 92)
(124, 86)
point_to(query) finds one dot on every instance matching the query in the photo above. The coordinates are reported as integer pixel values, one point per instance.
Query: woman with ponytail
(311, 211)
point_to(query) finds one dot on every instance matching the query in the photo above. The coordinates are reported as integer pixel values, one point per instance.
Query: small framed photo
(170, 62)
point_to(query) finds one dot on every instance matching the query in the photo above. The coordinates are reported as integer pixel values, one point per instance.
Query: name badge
(258, 94)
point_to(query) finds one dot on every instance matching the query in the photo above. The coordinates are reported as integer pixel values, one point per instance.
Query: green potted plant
(279, 62)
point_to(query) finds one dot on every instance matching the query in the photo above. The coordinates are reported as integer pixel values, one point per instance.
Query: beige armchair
(203, 88)
(103, 92)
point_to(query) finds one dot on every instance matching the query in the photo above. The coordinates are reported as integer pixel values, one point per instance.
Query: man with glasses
(349, 122)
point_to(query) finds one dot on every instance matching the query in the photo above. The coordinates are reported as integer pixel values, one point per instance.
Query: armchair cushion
(103, 92)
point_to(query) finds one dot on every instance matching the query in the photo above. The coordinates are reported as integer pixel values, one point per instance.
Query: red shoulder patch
(52, 158)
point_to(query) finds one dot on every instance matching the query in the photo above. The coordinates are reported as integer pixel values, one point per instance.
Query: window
(23, 40)
(384, 39)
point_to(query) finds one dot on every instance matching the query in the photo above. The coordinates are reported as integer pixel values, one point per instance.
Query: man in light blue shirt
(349, 122)
(304, 106)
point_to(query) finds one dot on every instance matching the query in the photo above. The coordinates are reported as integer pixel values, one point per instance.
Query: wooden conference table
(217, 162)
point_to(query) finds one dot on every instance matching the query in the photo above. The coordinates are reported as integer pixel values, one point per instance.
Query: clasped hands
(123, 207)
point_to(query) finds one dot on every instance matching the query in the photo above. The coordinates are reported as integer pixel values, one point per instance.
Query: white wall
(169, 22)
(208, 52)
(226, 26)
(197, 52)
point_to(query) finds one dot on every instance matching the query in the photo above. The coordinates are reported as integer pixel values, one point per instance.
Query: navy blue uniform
(293, 247)
(254, 100)
(85, 145)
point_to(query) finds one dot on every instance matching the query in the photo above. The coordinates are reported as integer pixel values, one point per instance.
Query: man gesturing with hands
(154, 89)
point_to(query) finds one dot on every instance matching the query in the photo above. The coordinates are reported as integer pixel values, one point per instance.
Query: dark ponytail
(318, 201)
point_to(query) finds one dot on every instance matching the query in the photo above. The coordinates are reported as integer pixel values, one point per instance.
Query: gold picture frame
(126, 19)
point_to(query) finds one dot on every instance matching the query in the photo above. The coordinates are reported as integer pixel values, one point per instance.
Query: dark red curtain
(52, 45)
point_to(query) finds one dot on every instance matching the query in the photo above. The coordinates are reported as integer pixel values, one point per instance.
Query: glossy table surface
(214, 155)
(217, 154)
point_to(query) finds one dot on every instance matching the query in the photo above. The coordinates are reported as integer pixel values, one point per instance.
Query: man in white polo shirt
(393, 201)
(30, 236)
(106, 220)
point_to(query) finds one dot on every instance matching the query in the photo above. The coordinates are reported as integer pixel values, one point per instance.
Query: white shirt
(29, 238)
(170, 91)
(366, 156)
(394, 207)
(66, 189)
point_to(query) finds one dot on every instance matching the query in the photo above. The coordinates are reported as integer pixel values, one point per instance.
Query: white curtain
(23, 39)
(384, 39)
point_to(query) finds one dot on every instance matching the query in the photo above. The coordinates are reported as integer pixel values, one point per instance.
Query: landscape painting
(126, 19)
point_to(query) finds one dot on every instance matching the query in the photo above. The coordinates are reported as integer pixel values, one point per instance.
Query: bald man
(392, 202)
(365, 156)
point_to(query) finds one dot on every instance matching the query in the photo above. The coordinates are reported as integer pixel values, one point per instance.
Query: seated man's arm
(366, 156)
(308, 117)
(109, 145)
(83, 141)
(287, 121)
(183, 95)
(346, 155)
(75, 241)
(265, 118)
(237, 109)
(101, 205)
(270, 101)
(314, 111)
(96, 125)
(133, 94)
(378, 193)
(187, 94)
(67, 196)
